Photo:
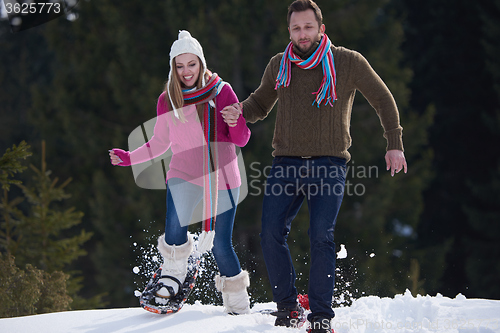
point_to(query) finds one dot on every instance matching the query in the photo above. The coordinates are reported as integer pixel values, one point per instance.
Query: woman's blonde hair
(174, 89)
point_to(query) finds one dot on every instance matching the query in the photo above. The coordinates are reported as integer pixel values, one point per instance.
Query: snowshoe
(151, 302)
(320, 325)
(290, 317)
(302, 299)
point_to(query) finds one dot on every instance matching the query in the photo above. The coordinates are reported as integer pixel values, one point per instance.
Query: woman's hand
(115, 160)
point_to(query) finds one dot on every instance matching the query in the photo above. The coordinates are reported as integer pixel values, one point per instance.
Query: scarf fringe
(208, 120)
(210, 166)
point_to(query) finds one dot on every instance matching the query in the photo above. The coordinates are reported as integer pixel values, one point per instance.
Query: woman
(202, 138)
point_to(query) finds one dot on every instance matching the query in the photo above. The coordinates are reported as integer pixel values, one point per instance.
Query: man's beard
(308, 48)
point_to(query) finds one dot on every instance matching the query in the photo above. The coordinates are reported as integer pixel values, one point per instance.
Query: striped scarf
(323, 54)
(208, 120)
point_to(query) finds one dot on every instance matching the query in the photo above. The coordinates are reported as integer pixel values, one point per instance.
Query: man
(315, 83)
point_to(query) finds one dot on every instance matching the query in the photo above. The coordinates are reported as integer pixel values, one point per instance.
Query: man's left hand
(396, 161)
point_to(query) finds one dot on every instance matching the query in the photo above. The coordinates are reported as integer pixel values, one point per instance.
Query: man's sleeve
(258, 105)
(380, 98)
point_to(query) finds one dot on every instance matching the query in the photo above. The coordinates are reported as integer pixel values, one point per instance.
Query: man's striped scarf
(208, 120)
(323, 54)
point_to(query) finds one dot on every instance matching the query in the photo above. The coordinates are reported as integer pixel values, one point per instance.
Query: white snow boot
(175, 261)
(234, 292)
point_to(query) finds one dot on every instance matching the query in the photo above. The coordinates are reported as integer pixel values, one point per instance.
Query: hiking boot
(289, 317)
(320, 325)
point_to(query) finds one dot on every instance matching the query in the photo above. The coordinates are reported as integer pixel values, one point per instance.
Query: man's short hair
(303, 5)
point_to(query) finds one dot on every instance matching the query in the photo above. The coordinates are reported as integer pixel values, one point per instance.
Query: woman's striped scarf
(323, 54)
(208, 120)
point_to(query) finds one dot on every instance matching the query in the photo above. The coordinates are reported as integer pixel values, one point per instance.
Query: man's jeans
(321, 181)
(182, 198)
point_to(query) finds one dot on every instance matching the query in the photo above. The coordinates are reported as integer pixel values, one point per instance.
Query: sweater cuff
(248, 112)
(394, 139)
(240, 134)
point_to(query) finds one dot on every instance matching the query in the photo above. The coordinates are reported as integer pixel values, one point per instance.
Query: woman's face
(188, 69)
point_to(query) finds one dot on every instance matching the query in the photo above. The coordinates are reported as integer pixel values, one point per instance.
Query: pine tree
(43, 243)
(10, 164)
(31, 291)
(36, 235)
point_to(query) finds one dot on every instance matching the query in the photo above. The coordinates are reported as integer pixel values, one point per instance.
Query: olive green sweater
(305, 130)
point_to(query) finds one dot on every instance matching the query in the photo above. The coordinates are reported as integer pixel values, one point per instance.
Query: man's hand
(396, 161)
(231, 113)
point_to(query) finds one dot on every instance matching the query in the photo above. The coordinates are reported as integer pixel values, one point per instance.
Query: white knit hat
(186, 44)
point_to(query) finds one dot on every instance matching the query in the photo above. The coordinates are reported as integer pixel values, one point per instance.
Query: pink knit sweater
(186, 143)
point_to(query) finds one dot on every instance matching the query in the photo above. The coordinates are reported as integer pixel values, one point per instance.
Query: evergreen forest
(74, 228)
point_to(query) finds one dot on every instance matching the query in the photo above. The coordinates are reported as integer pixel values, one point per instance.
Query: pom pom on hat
(184, 34)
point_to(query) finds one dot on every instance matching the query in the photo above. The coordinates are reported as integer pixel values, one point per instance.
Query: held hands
(231, 113)
(396, 161)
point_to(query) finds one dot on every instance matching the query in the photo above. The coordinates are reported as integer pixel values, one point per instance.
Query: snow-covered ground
(403, 313)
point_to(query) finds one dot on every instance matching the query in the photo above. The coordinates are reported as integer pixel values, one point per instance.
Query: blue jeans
(180, 211)
(321, 181)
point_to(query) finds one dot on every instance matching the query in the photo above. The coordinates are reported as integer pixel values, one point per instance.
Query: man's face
(305, 30)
